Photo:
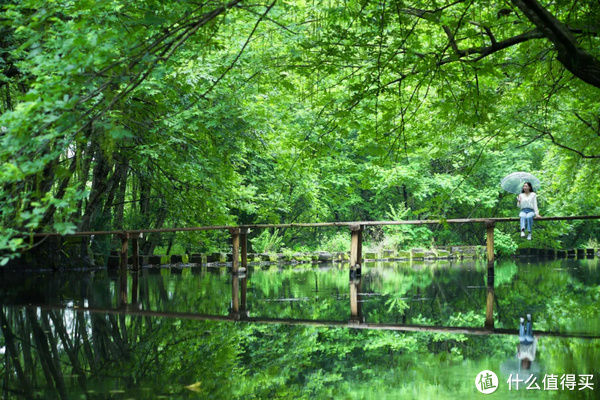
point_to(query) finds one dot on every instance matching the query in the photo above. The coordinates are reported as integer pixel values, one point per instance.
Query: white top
(528, 201)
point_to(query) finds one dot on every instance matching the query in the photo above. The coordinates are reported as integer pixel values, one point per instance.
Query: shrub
(267, 242)
(504, 245)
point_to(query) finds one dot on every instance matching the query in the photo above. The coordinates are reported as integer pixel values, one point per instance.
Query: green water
(198, 333)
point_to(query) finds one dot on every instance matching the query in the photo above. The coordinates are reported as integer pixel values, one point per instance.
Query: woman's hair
(530, 187)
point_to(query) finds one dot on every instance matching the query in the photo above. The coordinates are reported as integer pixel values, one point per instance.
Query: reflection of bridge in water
(239, 312)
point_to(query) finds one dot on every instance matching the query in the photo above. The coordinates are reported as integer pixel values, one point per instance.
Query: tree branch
(588, 123)
(494, 47)
(241, 50)
(577, 60)
(544, 132)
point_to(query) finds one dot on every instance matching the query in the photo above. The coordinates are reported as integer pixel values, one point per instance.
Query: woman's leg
(523, 216)
(529, 218)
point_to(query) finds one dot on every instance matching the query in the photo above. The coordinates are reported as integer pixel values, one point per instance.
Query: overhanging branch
(577, 60)
(546, 133)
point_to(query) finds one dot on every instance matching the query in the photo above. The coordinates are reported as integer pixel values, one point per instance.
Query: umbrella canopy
(514, 182)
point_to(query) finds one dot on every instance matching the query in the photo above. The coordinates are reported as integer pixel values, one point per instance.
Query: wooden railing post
(135, 249)
(123, 269)
(243, 291)
(489, 309)
(489, 227)
(355, 249)
(244, 248)
(235, 250)
(135, 278)
(124, 250)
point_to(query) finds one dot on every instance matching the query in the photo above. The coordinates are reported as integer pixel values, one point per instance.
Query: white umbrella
(513, 183)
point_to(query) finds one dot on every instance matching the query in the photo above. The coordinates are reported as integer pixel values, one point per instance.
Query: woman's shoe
(529, 237)
(522, 232)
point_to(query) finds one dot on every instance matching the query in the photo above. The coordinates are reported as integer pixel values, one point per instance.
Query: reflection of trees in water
(44, 346)
(48, 345)
(55, 353)
(64, 353)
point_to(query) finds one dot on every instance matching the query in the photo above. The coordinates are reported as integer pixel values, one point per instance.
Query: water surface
(295, 331)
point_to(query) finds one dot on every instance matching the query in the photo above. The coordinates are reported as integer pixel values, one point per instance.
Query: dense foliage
(148, 114)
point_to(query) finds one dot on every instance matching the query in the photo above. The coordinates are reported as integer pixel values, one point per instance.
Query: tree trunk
(86, 158)
(9, 106)
(153, 240)
(99, 187)
(85, 340)
(11, 348)
(120, 196)
(69, 349)
(60, 193)
(575, 58)
(53, 377)
(26, 347)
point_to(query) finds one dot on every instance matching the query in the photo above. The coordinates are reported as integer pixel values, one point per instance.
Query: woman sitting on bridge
(527, 201)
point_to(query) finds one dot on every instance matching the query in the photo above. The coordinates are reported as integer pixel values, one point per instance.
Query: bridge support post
(124, 250)
(235, 250)
(135, 248)
(244, 248)
(489, 227)
(243, 290)
(238, 308)
(235, 294)
(355, 250)
(123, 268)
(489, 309)
(135, 287)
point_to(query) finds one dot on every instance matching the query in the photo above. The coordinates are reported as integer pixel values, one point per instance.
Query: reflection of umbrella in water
(514, 182)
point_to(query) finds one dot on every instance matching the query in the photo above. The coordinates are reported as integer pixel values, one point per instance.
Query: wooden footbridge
(239, 235)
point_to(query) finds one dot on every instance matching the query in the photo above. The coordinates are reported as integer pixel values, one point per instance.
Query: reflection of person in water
(527, 344)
